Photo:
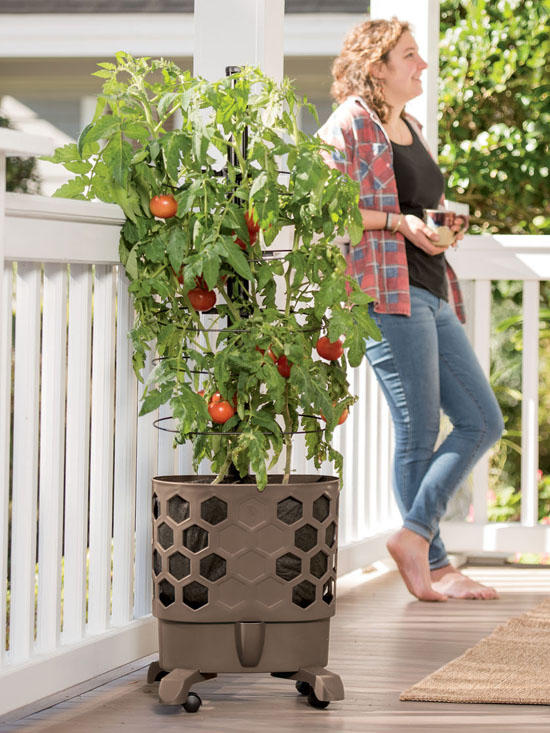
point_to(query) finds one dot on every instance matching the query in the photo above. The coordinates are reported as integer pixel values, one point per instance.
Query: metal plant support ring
(233, 433)
(239, 330)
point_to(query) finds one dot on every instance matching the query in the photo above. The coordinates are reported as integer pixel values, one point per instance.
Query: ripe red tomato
(343, 416)
(202, 300)
(163, 206)
(201, 392)
(221, 412)
(284, 366)
(330, 350)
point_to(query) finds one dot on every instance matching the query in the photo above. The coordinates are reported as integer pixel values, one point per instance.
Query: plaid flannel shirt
(364, 152)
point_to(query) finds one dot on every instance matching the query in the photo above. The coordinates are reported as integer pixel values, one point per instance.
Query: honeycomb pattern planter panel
(224, 553)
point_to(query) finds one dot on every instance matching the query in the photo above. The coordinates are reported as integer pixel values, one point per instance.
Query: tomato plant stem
(229, 302)
(195, 316)
(224, 469)
(287, 437)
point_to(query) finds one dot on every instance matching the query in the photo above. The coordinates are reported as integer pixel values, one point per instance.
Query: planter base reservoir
(244, 582)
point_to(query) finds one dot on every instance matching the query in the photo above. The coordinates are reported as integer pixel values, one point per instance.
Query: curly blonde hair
(364, 45)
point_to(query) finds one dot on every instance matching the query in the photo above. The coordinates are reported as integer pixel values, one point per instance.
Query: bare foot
(410, 552)
(454, 584)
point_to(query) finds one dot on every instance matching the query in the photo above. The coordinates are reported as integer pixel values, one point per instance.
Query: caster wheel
(314, 701)
(304, 688)
(193, 703)
(160, 675)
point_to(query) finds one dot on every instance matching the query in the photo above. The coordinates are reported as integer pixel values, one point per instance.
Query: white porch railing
(478, 261)
(76, 462)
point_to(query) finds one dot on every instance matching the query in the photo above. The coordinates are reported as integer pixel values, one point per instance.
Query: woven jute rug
(512, 665)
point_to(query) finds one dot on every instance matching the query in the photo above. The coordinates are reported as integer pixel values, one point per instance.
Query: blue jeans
(425, 363)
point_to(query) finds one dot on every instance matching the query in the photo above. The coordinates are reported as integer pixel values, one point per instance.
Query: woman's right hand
(420, 235)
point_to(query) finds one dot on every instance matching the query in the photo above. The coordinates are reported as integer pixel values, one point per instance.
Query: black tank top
(420, 185)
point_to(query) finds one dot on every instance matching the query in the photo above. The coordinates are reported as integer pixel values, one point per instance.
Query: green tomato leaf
(165, 103)
(259, 183)
(73, 189)
(236, 258)
(355, 226)
(82, 138)
(139, 156)
(136, 131)
(103, 128)
(131, 263)
(102, 74)
(174, 145)
(67, 154)
(117, 155)
(78, 167)
(176, 247)
(153, 400)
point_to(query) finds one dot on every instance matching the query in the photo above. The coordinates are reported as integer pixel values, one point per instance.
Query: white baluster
(374, 398)
(77, 452)
(530, 404)
(358, 448)
(147, 451)
(101, 450)
(481, 318)
(124, 498)
(5, 402)
(52, 448)
(25, 460)
(6, 285)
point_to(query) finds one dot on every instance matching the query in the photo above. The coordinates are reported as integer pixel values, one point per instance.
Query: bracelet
(396, 227)
(387, 217)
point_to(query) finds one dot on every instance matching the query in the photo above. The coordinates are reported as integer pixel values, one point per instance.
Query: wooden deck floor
(382, 642)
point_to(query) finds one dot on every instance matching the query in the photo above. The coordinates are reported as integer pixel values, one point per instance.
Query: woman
(424, 362)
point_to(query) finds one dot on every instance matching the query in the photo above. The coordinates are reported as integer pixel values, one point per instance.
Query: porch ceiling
(167, 6)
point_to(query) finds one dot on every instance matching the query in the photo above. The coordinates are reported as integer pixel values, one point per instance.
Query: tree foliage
(494, 117)
(494, 111)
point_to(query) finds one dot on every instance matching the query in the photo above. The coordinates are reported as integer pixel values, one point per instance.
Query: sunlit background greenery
(494, 128)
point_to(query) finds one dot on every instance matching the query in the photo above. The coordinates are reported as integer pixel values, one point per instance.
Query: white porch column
(5, 376)
(238, 33)
(423, 15)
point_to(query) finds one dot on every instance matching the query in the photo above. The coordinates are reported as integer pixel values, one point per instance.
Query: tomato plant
(290, 294)
(331, 350)
(202, 300)
(165, 207)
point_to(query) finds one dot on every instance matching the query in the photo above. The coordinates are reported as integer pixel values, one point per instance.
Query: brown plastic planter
(244, 582)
